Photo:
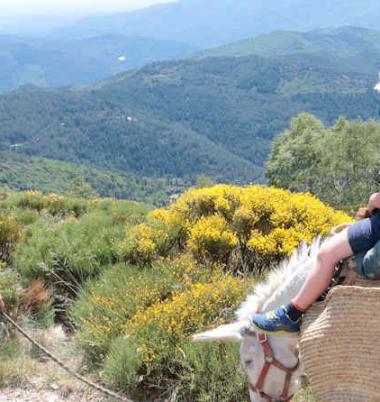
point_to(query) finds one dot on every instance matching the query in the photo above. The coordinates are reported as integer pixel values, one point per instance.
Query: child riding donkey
(358, 237)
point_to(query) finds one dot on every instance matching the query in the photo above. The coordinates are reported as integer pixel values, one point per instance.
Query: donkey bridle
(269, 361)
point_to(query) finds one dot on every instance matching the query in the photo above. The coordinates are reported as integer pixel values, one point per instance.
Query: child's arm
(373, 202)
(2, 304)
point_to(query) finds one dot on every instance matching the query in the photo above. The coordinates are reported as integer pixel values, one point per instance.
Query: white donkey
(271, 362)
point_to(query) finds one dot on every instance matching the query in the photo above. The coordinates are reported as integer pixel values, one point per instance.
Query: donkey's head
(271, 363)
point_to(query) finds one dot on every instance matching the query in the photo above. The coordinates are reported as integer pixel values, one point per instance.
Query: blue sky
(20, 7)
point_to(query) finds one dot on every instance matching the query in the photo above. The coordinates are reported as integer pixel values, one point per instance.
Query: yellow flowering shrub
(156, 349)
(172, 222)
(143, 244)
(166, 323)
(55, 203)
(187, 271)
(253, 226)
(107, 304)
(33, 200)
(212, 239)
(10, 234)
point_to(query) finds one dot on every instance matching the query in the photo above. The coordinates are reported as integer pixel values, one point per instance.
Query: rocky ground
(48, 382)
(30, 392)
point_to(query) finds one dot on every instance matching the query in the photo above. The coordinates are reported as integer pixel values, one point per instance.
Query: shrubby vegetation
(339, 164)
(10, 234)
(10, 286)
(135, 320)
(245, 228)
(68, 251)
(140, 282)
(141, 320)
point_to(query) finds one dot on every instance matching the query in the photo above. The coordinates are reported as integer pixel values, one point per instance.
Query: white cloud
(8, 7)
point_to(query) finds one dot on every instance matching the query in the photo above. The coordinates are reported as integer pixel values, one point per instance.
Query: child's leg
(360, 236)
(287, 319)
(337, 248)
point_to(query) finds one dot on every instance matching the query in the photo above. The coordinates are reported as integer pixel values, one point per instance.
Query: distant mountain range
(52, 63)
(98, 47)
(216, 22)
(203, 115)
(345, 42)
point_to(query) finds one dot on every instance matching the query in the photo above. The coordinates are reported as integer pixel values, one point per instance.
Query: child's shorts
(364, 234)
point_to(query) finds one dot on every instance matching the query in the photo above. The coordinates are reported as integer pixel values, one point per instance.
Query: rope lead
(62, 365)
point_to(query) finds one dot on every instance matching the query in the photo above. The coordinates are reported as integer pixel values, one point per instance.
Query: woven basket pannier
(340, 344)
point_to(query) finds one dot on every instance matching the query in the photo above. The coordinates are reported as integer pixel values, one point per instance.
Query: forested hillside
(212, 116)
(20, 172)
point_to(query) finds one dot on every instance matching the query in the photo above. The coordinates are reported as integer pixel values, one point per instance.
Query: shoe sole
(277, 332)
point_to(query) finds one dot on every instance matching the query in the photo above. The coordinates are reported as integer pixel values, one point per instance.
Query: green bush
(160, 353)
(10, 287)
(199, 372)
(129, 212)
(105, 305)
(122, 365)
(10, 234)
(211, 372)
(15, 364)
(53, 204)
(25, 216)
(67, 253)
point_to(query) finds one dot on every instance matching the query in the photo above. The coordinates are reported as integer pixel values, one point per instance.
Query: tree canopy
(340, 164)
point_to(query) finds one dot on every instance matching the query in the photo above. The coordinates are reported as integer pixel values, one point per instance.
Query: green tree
(296, 155)
(204, 181)
(81, 189)
(340, 164)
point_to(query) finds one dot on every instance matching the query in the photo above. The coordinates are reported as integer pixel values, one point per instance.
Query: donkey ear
(230, 332)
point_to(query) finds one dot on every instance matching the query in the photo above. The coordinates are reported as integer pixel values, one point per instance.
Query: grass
(305, 395)
(15, 364)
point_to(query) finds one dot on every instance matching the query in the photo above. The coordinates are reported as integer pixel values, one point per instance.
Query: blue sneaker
(276, 322)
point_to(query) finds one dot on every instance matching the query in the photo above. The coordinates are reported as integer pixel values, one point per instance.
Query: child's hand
(362, 213)
(373, 203)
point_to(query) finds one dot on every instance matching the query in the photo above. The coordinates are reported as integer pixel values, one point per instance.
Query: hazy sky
(18, 7)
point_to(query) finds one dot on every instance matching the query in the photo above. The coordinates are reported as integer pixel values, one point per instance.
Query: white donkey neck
(282, 284)
(292, 285)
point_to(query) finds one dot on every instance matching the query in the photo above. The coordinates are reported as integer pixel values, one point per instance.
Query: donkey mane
(280, 279)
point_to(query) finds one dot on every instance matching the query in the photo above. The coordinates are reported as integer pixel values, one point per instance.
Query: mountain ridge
(341, 42)
(40, 61)
(212, 116)
(231, 20)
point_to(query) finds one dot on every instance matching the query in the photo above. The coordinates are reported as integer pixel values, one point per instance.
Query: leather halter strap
(269, 361)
